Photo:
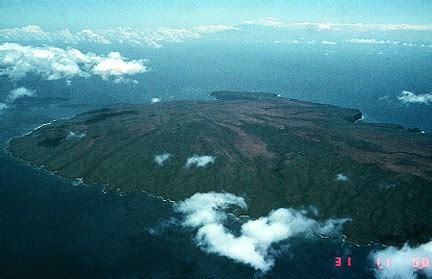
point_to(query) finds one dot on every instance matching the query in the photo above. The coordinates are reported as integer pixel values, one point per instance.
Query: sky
(75, 15)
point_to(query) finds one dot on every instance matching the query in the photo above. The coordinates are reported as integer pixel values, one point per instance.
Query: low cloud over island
(75, 135)
(15, 94)
(255, 244)
(20, 93)
(406, 262)
(162, 158)
(200, 161)
(409, 97)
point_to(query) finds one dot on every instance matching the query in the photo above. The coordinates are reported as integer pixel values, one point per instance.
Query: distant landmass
(275, 152)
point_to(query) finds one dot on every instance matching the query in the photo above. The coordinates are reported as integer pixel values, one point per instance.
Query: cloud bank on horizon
(156, 37)
(255, 245)
(151, 37)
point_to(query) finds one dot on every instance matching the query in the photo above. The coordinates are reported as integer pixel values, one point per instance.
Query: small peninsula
(276, 152)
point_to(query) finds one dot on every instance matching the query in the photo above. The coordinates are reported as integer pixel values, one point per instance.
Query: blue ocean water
(52, 228)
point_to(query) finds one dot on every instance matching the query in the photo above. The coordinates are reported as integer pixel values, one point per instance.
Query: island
(276, 152)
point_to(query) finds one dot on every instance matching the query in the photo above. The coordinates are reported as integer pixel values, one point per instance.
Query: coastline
(341, 238)
(77, 172)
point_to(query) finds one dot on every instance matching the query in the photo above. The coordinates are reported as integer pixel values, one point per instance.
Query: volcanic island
(275, 152)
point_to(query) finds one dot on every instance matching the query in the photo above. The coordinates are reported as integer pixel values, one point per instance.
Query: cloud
(289, 42)
(156, 37)
(115, 65)
(200, 161)
(151, 37)
(409, 97)
(90, 35)
(54, 63)
(254, 244)
(342, 177)
(270, 22)
(366, 41)
(303, 41)
(73, 135)
(207, 29)
(20, 93)
(278, 23)
(36, 33)
(387, 27)
(384, 42)
(162, 158)
(328, 42)
(3, 106)
(325, 26)
(155, 100)
(405, 262)
(29, 32)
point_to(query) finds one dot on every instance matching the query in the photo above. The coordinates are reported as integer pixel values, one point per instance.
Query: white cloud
(155, 100)
(206, 29)
(270, 22)
(366, 41)
(20, 93)
(29, 32)
(74, 135)
(115, 65)
(325, 26)
(409, 97)
(275, 22)
(54, 63)
(289, 42)
(383, 42)
(328, 42)
(409, 44)
(405, 262)
(278, 23)
(254, 245)
(35, 33)
(162, 158)
(3, 106)
(152, 37)
(342, 177)
(303, 41)
(156, 37)
(200, 161)
(388, 27)
(120, 79)
(90, 35)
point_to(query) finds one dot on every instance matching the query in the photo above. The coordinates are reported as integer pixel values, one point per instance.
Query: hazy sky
(55, 14)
